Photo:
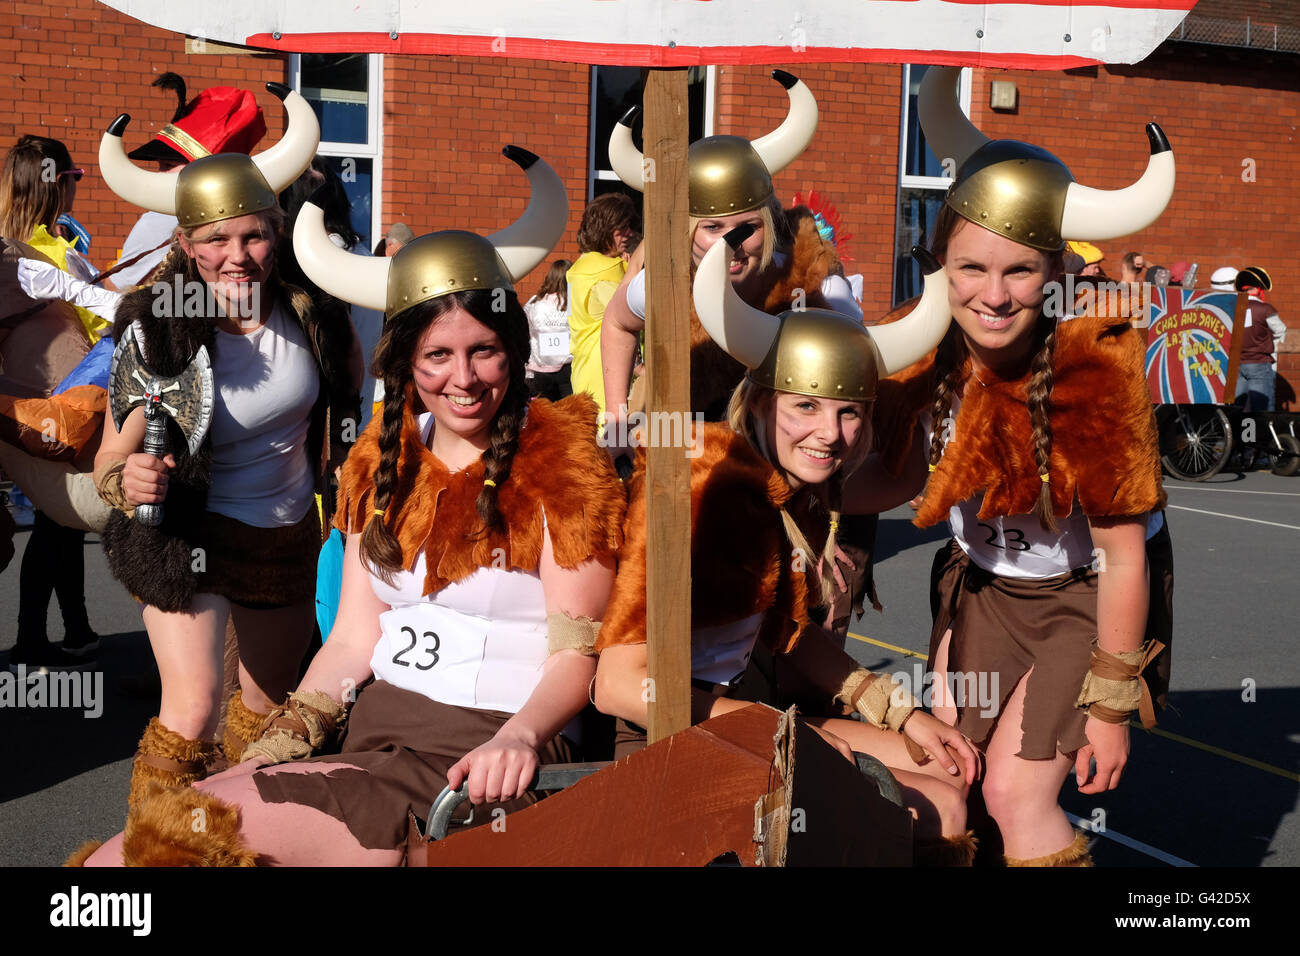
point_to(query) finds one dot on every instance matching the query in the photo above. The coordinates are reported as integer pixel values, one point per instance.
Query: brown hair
(29, 195)
(950, 370)
(556, 283)
(402, 334)
(603, 215)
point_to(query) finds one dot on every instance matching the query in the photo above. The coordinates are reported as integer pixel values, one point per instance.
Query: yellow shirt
(593, 280)
(57, 250)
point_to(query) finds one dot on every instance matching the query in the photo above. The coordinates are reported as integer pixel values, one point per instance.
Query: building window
(615, 90)
(922, 182)
(345, 90)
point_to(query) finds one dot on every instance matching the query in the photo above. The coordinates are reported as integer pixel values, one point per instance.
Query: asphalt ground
(1214, 785)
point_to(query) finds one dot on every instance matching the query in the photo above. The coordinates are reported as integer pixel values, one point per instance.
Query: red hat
(221, 119)
(1178, 270)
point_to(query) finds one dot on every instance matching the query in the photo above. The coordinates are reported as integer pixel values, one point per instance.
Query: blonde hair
(746, 419)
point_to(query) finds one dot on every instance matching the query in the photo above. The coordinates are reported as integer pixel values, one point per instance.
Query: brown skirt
(1001, 627)
(259, 568)
(404, 744)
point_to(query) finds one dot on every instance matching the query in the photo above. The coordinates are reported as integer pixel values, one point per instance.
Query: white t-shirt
(149, 230)
(548, 334)
(266, 384)
(836, 289)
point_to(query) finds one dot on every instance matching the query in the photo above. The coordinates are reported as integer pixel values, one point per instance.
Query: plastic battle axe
(186, 398)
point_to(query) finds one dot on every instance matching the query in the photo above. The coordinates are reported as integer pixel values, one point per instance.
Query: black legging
(53, 561)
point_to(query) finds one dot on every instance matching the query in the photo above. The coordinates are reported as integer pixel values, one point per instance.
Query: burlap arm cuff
(304, 725)
(108, 482)
(1113, 687)
(564, 633)
(879, 698)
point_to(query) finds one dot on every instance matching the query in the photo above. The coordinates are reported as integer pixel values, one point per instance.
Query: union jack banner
(1188, 345)
(1032, 34)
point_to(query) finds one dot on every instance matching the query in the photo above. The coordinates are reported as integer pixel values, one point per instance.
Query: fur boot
(946, 850)
(167, 758)
(1076, 854)
(243, 726)
(80, 854)
(183, 827)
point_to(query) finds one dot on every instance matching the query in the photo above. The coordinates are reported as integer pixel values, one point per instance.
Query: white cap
(1223, 279)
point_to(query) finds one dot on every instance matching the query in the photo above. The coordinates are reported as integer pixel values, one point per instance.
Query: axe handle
(155, 443)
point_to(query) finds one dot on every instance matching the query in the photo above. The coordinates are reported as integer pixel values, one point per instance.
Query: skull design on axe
(187, 399)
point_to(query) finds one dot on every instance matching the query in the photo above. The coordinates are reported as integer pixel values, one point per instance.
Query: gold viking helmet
(728, 174)
(218, 187)
(816, 351)
(442, 262)
(1025, 193)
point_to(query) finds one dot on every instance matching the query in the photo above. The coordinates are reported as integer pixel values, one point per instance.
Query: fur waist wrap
(560, 480)
(157, 565)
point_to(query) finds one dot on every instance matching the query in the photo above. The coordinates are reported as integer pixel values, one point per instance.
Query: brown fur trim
(1075, 854)
(714, 373)
(243, 726)
(1104, 448)
(740, 560)
(82, 853)
(900, 399)
(947, 850)
(559, 473)
(184, 827)
(159, 741)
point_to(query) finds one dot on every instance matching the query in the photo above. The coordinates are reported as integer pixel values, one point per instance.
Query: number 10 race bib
(553, 345)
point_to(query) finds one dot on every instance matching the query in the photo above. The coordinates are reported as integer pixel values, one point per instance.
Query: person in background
(548, 331)
(1133, 267)
(1264, 331)
(1092, 258)
(607, 224)
(37, 184)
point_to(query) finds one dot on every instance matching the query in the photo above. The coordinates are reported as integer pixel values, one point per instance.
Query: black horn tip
(1159, 141)
(519, 156)
(279, 90)
(926, 260)
(736, 238)
(628, 118)
(320, 196)
(785, 79)
(118, 126)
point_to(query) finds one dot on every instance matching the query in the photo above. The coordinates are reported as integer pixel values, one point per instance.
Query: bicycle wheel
(1287, 461)
(1199, 441)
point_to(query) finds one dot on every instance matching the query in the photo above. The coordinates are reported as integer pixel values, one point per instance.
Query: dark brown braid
(1039, 401)
(502, 445)
(949, 365)
(379, 547)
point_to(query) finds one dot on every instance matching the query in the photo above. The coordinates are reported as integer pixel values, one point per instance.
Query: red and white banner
(1043, 34)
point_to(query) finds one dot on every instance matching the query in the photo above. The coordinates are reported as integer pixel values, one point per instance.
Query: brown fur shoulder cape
(714, 373)
(1104, 445)
(741, 562)
(560, 478)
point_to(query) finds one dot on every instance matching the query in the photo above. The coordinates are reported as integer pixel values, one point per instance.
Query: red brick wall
(852, 162)
(74, 67)
(1219, 107)
(445, 121)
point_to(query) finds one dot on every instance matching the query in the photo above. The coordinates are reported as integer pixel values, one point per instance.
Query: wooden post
(668, 498)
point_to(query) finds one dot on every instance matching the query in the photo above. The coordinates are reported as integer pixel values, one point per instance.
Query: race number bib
(459, 659)
(553, 345)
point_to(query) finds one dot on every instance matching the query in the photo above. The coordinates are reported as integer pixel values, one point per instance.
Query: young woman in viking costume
(482, 531)
(730, 186)
(240, 531)
(1043, 459)
(780, 476)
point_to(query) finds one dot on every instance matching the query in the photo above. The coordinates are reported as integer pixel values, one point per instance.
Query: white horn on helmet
(361, 280)
(523, 245)
(781, 147)
(947, 130)
(1110, 213)
(742, 331)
